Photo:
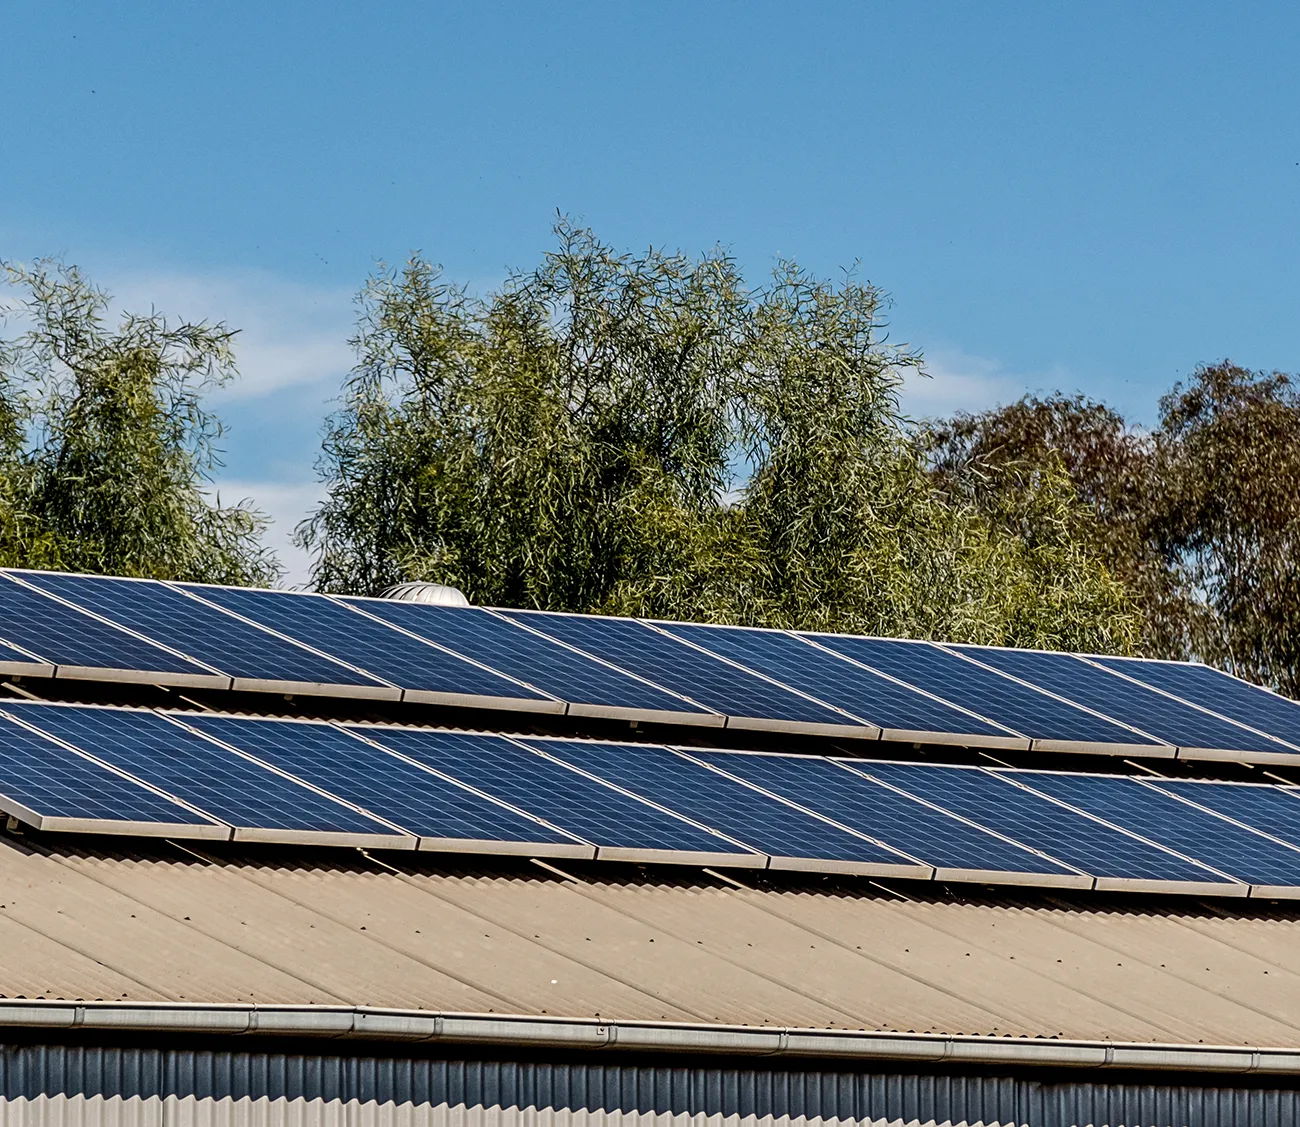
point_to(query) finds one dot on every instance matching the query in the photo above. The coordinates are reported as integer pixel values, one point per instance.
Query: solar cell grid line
(259, 802)
(902, 712)
(1117, 860)
(1052, 723)
(425, 673)
(792, 838)
(589, 686)
(1194, 832)
(748, 700)
(1220, 692)
(958, 850)
(79, 644)
(256, 659)
(621, 826)
(1163, 717)
(51, 787)
(442, 814)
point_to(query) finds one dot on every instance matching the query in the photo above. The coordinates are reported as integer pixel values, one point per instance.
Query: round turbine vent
(434, 593)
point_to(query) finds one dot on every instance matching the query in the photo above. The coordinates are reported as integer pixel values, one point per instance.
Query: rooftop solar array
(102, 769)
(840, 686)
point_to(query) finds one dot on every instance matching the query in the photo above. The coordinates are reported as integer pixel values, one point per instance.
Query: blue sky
(1089, 197)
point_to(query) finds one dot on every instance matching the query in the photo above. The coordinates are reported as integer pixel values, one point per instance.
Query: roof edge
(413, 1026)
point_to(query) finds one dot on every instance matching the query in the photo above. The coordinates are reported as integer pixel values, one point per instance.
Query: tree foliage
(105, 445)
(646, 434)
(1200, 517)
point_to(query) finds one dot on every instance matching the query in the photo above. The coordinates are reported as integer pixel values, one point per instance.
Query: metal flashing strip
(373, 1024)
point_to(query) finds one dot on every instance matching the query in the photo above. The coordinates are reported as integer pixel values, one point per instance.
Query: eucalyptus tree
(106, 447)
(647, 434)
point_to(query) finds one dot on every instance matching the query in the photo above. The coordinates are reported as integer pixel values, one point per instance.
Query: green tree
(1199, 517)
(646, 434)
(105, 445)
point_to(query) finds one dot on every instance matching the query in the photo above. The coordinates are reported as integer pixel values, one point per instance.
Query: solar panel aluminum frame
(637, 855)
(907, 868)
(399, 839)
(385, 691)
(550, 705)
(855, 727)
(1157, 750)
(1286, 754)
(1230, 886)
(214, 680)
(1013, 741)
(946, 873)
(37, 667)
(577, 850)
(217, 830)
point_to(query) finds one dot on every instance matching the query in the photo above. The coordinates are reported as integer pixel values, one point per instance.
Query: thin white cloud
(286, 503)
(290, 334)
(958, 381)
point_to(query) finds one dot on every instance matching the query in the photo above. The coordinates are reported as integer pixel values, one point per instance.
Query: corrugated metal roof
(278, 927)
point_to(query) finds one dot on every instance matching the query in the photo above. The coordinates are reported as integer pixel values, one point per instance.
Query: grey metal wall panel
(44, 1085)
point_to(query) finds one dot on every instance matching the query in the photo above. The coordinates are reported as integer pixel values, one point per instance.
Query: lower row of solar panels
(845, 686)
(93, 769)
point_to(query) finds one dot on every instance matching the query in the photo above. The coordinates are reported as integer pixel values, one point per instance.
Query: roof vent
(434, 593)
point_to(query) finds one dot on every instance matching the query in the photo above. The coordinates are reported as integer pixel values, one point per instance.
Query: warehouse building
(259, 869)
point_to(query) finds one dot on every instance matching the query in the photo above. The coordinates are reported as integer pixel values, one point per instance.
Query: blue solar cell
(592, 810)
(65, 636)
(983, 797)
(519, 653)
(1228, 696)
(198, 630)
(1023, 709)
(715, 684)
(53, 782)
(1274, 810)
(861, 804)
(865, 694)
(361, 641)
(1160, 716)
(344, 765)
(723, 804)
(194, 769)
(1176, 825)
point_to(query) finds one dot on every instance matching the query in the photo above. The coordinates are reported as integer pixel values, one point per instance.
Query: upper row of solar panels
(55, 624)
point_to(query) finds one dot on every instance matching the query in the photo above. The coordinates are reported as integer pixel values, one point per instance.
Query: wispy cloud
(958, 381)
(290, 334)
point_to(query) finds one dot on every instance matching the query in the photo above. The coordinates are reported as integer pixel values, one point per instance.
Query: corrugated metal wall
(70, 1086)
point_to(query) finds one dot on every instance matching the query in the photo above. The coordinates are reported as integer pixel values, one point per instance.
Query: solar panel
(1156, 816)
(591, 687)
(427, 673)
(260, 804)
(622, 827)
(748, 701)
(790, 837)
(1115, 858)
(1164, 718)
(1220, 692)
(955, 848)
(79, 644)
(255, 659)
(442, 814)
(14, 662)
(52, 788)
(1051, 723)
(1274, 810)
(902, 712)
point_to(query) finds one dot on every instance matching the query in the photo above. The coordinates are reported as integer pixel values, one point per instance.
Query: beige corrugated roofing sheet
(166, 924)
